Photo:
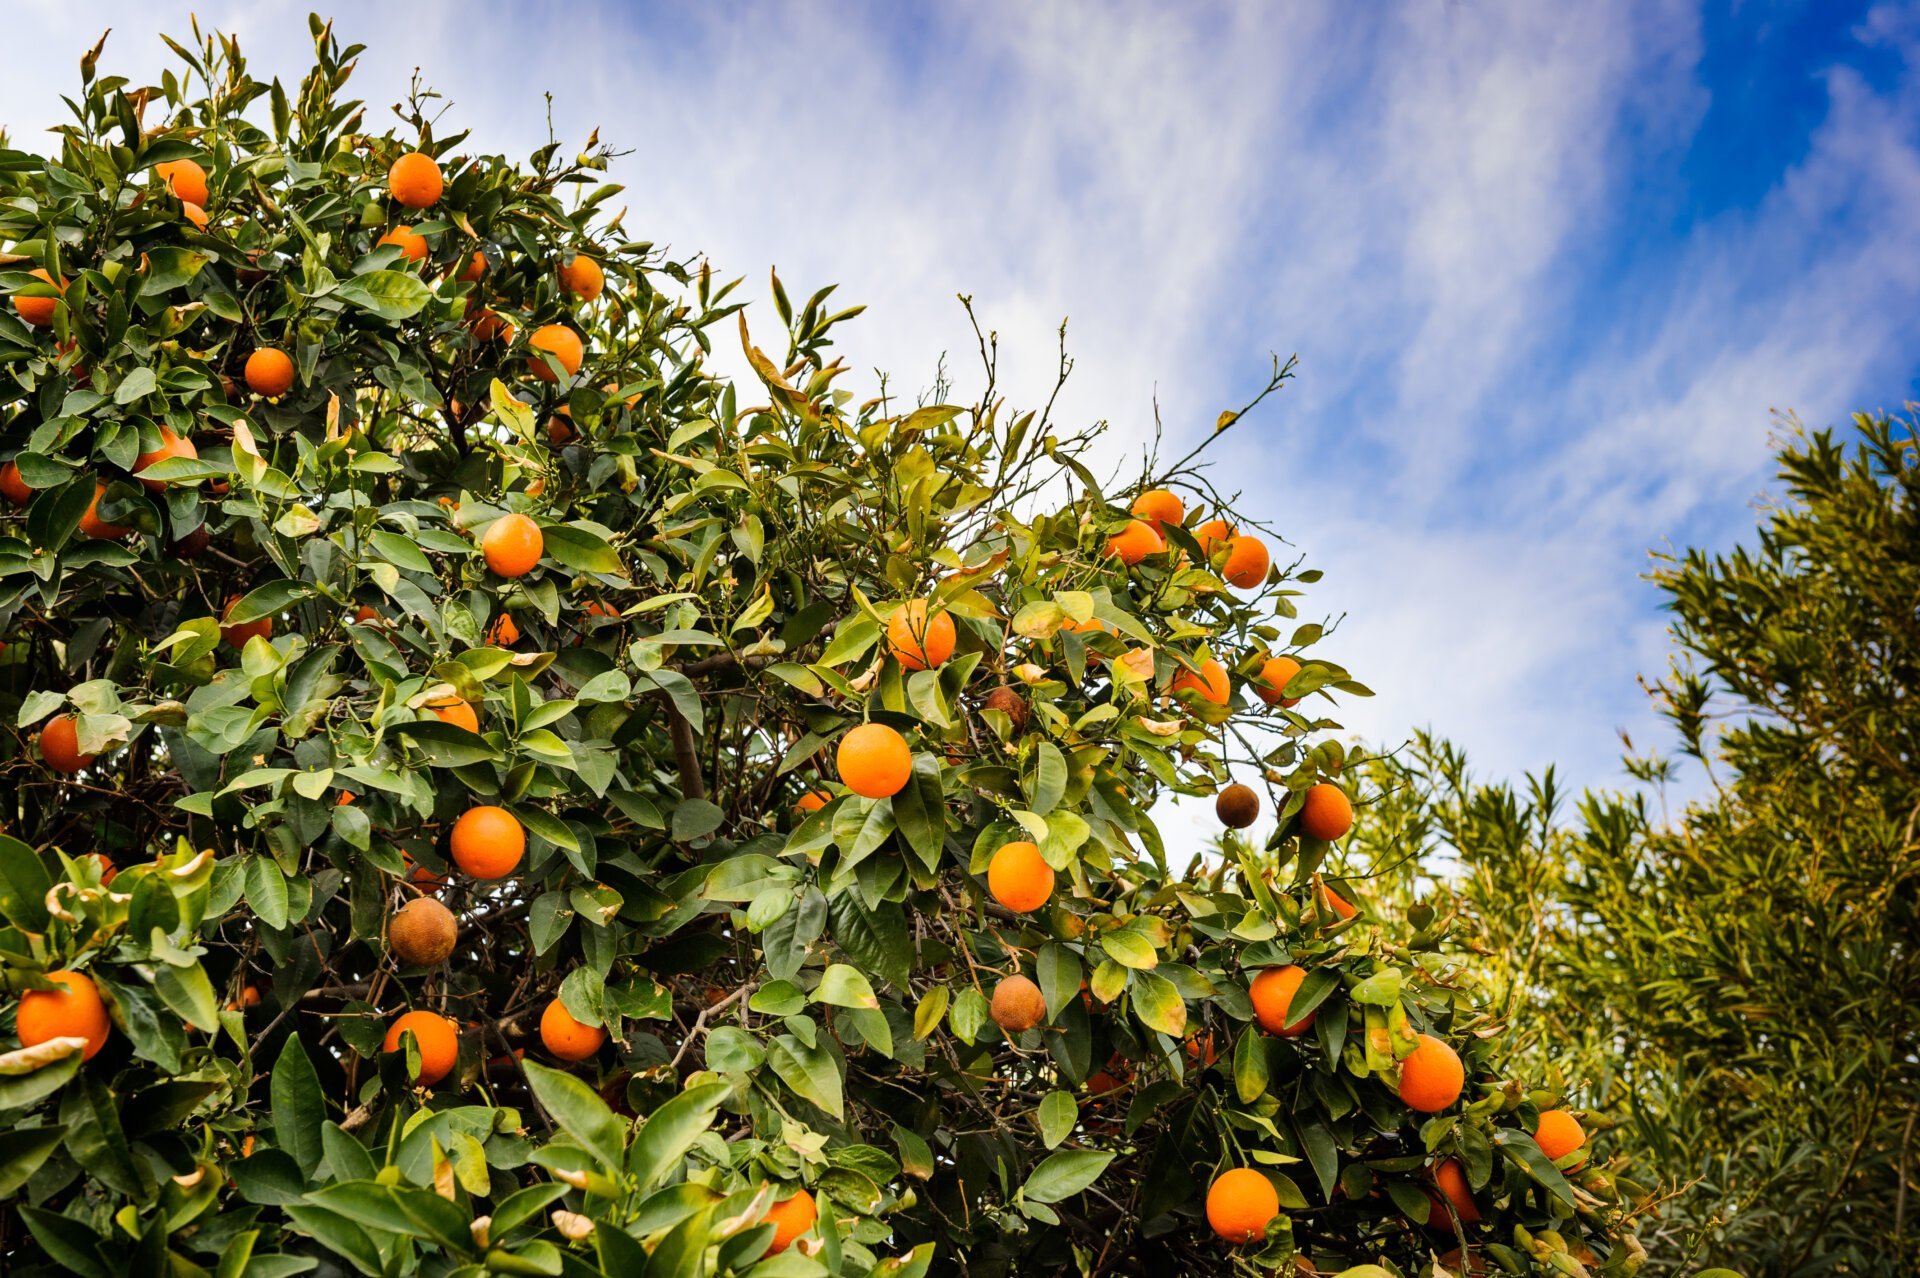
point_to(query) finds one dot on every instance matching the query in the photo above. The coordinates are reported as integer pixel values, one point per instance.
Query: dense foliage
(1736, 984)
(378, 543)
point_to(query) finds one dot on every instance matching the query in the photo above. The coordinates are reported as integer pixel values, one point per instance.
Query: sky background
(1549, 267)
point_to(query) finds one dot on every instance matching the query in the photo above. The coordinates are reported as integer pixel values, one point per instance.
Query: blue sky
(1549, 267)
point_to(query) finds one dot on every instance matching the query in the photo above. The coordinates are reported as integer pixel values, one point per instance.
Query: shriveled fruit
(236, 634)
(917, 641)
(567, 1038)
(190, 544)
(1558, 1134)
(1241, 1203)
(1272, 993)
(1135, 542)
(423, 932)
(560, 342)
(1432, 1077)
(582, 277)
(60, 745)
(415, 181)
(1210, 681)
(791, 1217)
(171, 445)
(1247, 562)
(1019, 877)
(1275, 674)
(873, 761)
(436, 1038)
(1018, 1005)
(269, 372)
(1157, 507)
(186, 178)
(488, 842)
(1327, 813)
(1011, 704)
(1237, 806)
(75, 1010)
(512, 545)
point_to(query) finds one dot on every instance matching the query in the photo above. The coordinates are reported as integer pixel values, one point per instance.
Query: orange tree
(487, 793)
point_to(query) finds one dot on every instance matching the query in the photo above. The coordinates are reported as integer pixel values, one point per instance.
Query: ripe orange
(60, 745)
(1275, 674)
(1327, 813)
(873, 761)
(423, 932)
(1211, 534)
(512, 545)
(1431, 1079)
(93, 526)
(38, 311)
(791, 1217)
(457, 711)
(917, 642)
(437, 1038)
(582, 277)
(1272, 993)
(1559, 1134)
(236, 635)
(413, 245)
(503, 633)
(414, 180)
(1241, 1203)
(1237, 806)
(196, 215)
(813, 801)
(1135, 542)
(1247, 562)
(73, 1011)
(560, 342)
(1019, 877)
(171, 445)
(476, 267)
(1017, 1005)
(490, 326)
(269, 372)
(1200, 1049)
(567, 1038)
(1338, 904)
(187, 178)
(1450, 1178)
(560, 431)
(488, 842)
(1157, 506)
(13, 487)
(108, 870)
(1210, 681)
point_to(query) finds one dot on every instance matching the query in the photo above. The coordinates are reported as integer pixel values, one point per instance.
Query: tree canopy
(488, 793)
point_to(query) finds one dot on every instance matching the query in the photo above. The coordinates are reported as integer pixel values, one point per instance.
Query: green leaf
(671, 1130)
(1158, 1004)
(1250, 1066)
(299, 1107)
(267, 891)
(270, 600)
(22, 1150)
(1062, 1175)
(1129, 948)
(572, 546)
(169, 266)
(24, 884)
(1049, 781)
(188, 992)
(1058, 1114)
(809, 1071)
(392, 295)
(579, 1111)
(843, 986)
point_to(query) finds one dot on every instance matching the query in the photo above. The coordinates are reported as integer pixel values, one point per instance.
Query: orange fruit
(413, 245)
(38, 311)
(1157, 506)
(1135, 542)
(490, 326)
(72, 1011)
(476, 267)
(1247, 562)
(13, 487)
(423, 932)
(1211, 534)
(873, 761)
(108, 870)
(187, 178)
(1558, 1134)
(582, 277)
(917, 642)
(269, 372)
(1200, 1049)
(196, 215)
(437, 1038)
(171, 445)
(1450, 1178)
(1017, 1005)
(512, 545)
(1327, 813)
(813, 801)
(1241, 1203)
(457, 711)
(415, 181)
(567, 1038)
(1431, 1079)
(1237, 806)
(60, 745)
(1272, 993)
(503, 633)
(791, 1217)
(1275, 674)
(1338, 904)
(488, 842)
(1019, 877)
(1210, 681)
(560, 342)
(93, 526)
(560, 431)
(236, 635)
